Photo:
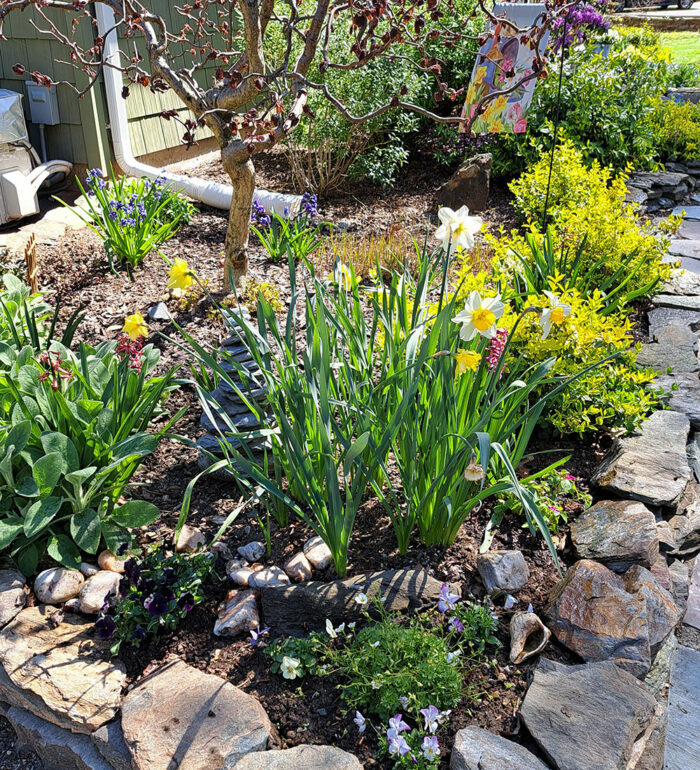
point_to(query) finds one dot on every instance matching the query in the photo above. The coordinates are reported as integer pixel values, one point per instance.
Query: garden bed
(312, 713)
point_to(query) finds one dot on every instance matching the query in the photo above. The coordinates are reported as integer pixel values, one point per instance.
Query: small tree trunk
(236, 249)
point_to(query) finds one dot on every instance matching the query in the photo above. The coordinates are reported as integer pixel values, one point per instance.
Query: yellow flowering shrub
(610, 397)
(586, 202)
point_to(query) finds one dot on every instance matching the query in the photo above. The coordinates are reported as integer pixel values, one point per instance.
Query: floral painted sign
(503, 60)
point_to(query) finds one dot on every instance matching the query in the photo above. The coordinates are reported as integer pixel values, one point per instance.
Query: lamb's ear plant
(74, 432)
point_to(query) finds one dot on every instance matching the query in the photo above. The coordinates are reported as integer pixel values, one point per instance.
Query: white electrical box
(43, 104)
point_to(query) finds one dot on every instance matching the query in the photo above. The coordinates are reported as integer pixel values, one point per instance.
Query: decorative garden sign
(505, 58)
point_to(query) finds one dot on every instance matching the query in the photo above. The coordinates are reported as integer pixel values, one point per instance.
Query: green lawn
(684, 46)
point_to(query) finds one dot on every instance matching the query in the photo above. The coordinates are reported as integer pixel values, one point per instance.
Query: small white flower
(361, 598)
(554, 314)
(453, 656)
(360, 721)
(375, 644)
(289, 667)
(352, 625)
(457, 229)
(479, 316)
(403, 700)
(375, 684)
(510, 602)
(339, 629)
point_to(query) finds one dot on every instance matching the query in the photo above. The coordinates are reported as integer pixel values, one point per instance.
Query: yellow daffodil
(457, 228)
(135, 326)
(479, 316)
(180, 276)
(466, 359)
(554, 314)
(479, 75)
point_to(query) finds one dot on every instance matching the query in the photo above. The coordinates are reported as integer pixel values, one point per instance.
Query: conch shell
(528, 636)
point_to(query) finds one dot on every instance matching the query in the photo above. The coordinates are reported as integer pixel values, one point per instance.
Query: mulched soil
(309, 711)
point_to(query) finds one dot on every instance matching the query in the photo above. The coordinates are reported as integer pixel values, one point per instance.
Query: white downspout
(211, 193)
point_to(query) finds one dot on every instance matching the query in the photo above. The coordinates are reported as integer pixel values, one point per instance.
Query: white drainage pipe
(211, 193)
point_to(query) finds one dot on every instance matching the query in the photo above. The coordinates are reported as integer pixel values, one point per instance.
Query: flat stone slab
(304, 757)
(60, 674)
(479, 749)
(682, 733)
(688, 212)
(662, 317)
(588, 716)
(692, 610)
(678, 301)
(179, 717)
(689, 230)
(297, 609)
(651, 465)
(685, 397)
(685, 248)
(617, 533)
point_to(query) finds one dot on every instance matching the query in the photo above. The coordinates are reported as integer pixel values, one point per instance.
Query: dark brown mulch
(309, 711)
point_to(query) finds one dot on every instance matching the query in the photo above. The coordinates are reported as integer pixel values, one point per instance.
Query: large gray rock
(503, 570)
(617, 533)
(297, 609)
(478, 749)
(682, 394)
(60, 674)
(178, 717)
(109, 741)
(662, 613)
(682, 734)
(682, 282)
(593, 614)
(469, 185)
(588, 716)
(13, 594)
(58, 748)
(651, 465)
(304, 757)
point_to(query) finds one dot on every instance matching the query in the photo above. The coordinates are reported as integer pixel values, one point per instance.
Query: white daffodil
(554, 314)
(479, 316)
(457, 229)
(289, 667)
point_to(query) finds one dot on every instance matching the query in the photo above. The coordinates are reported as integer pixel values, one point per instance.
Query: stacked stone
(663, 189)
(239, 365)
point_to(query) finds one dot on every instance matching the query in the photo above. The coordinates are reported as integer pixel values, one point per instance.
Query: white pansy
(554, 314)
(457, 229)
(479, 316)
(289, 667)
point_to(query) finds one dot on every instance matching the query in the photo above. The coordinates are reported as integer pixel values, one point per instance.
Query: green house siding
(82, 136)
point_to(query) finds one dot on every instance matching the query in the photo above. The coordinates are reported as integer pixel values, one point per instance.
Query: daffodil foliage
(394, 390)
